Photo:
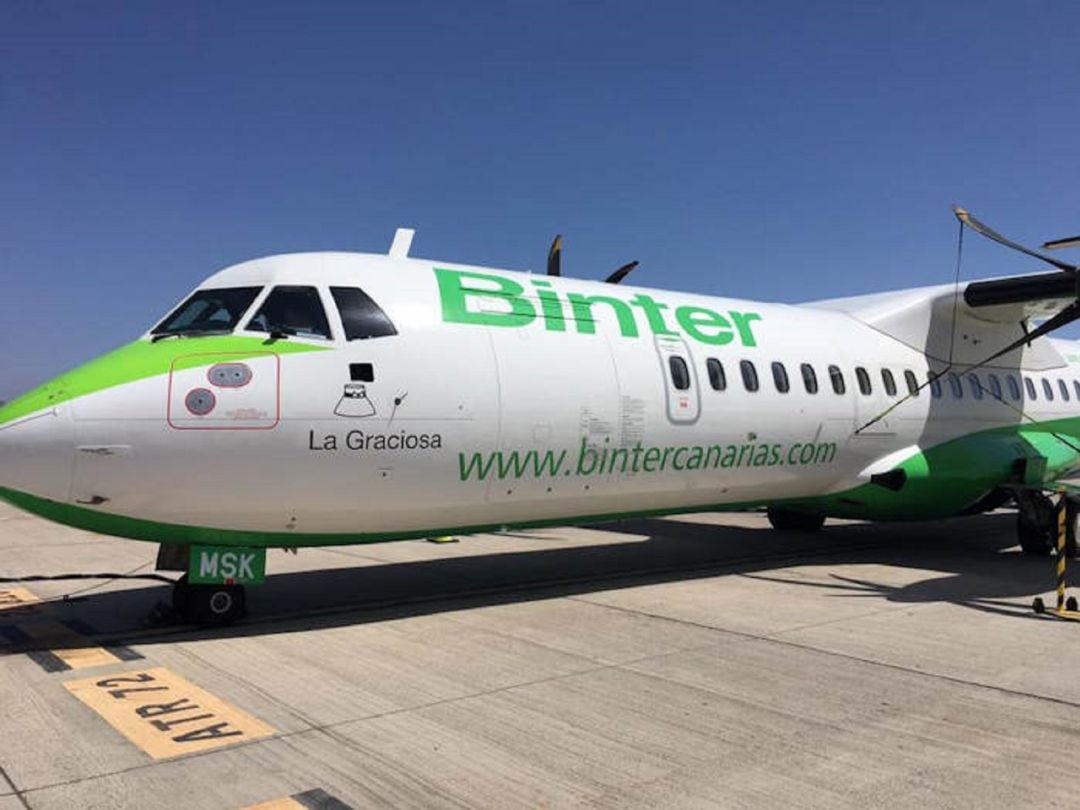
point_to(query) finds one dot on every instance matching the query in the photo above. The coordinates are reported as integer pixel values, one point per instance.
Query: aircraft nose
(37, 454)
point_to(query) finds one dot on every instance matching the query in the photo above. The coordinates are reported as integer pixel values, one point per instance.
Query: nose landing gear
(217, 596)
(209, 605)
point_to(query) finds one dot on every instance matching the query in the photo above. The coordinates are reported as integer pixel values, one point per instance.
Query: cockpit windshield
(292, 310)
(208, 311)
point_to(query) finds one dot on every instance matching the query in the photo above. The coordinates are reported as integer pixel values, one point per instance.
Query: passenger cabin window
(995, 385)
(976, 386)
(1048, 390)
(809, 378)
(717, 378)
(935, 384)
(780, 378)
(1014, 387)
(209, 311)
(912, 382)
(680, 374)
(749, 375)
(1064, 389)
(955, 385)
(1030, 387)
(890, 383)
(292, 311)
(863, 379)
(836, 377)
(361, 317)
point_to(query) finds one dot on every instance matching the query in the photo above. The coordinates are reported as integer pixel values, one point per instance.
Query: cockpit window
(292, 311)
(208, 311)
(361, 317)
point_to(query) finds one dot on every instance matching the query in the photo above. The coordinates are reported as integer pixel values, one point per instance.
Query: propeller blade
(990, 233)
(554, 257)
(1058, 244)
(621, 273)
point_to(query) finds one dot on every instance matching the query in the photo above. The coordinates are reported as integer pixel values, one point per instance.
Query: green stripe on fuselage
(138, 361)
(948, 478)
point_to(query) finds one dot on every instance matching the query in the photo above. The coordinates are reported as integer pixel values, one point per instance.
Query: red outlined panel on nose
(223, 391)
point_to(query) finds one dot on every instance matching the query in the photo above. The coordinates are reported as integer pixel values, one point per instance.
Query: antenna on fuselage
(399, 248)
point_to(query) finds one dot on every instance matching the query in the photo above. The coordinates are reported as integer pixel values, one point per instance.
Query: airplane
(331, 398)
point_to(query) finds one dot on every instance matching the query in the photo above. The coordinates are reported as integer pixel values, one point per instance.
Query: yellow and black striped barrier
(1066, 607)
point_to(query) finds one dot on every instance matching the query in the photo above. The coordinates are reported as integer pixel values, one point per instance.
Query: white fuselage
(571, 413)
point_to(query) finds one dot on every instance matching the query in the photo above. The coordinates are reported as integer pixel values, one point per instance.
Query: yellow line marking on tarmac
(69, 649)
(67, 645)
(285, 803)
(315, 799)
(18, 600)
(166, 715)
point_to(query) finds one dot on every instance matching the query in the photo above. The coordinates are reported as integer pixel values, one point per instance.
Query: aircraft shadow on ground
(970, 560)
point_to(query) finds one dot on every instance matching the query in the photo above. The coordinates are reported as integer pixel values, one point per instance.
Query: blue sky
(783, 151)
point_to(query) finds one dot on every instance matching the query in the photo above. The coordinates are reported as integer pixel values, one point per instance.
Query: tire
(217, 605)
(1035, 538)
(1041, 540)
(788, 520)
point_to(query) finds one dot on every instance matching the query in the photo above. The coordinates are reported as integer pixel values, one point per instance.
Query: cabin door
(681, 389)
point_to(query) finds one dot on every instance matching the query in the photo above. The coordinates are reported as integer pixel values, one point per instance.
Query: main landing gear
(790, 520)
(1036, 524)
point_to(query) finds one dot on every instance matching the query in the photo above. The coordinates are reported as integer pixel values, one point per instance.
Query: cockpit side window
(290, 310)
(208, 311)
(361, 317)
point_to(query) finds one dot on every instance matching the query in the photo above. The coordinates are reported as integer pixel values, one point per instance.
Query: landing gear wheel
(788, 520)
(217, 605)
(209, 605)
(1035, 536)
(1038, 533)
(1070, 604)
(1039, 606)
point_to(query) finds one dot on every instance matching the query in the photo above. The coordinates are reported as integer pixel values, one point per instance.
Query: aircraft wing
(971, 321)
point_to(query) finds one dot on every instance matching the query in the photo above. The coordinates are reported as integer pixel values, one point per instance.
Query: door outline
(682, 407)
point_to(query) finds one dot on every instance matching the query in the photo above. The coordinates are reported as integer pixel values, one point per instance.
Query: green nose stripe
(138, 361)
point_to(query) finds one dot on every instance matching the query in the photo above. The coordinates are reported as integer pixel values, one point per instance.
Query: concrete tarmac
(692, 661)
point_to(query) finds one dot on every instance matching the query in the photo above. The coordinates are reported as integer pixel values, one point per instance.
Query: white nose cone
(37, 455)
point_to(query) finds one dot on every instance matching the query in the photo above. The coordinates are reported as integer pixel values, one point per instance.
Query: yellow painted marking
(17, 600)
(67, 645)
(166, 715)
(286, 803)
